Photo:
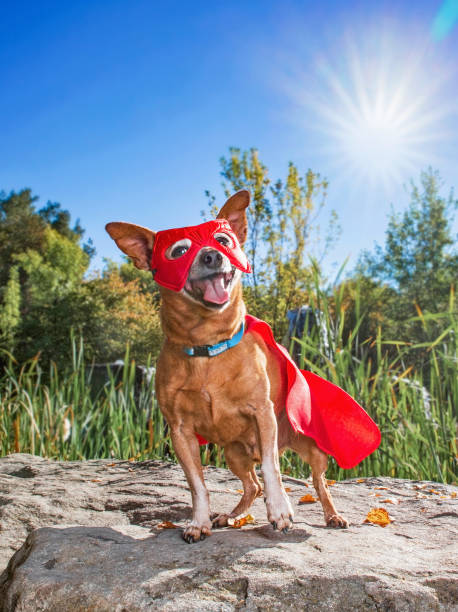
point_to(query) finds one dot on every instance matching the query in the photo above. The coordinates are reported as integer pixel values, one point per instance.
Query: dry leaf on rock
(237, 523)
(389, 500)
(378, 516)
(360, 480)
(308, 499)
(167, 525)
(385, 488)
(330, 482)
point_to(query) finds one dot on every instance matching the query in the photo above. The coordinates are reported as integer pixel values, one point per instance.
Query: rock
(92, 542)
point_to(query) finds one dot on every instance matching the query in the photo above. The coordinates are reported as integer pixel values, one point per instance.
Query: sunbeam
(378, 105)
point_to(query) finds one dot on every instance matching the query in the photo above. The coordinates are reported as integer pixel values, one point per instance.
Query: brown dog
(231, 399)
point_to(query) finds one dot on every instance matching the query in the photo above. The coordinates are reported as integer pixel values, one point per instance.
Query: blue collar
(207, 350)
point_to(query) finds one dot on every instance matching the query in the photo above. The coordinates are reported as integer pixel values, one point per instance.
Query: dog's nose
(211, 259)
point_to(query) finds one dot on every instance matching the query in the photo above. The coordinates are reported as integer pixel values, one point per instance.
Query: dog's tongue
(214, 290)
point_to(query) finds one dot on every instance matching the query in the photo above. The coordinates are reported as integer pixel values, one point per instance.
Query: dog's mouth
(214, 290)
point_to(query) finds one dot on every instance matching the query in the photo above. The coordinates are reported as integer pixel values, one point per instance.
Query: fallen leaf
(419, 487)
(434, 491)
(240, 491)
(167, 525)
(308, 499)
(330, 482)
(131, 459)
(361, 480)
(389, 501)
(288, 489)
(237, 523)
(379, 488)
(111, 464)
(96, 480)
(378, 516)
(453, 494)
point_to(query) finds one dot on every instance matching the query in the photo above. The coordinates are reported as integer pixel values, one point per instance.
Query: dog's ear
(135, 241)
(234, 211)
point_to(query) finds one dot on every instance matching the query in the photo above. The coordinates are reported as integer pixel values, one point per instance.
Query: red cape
(319, 409)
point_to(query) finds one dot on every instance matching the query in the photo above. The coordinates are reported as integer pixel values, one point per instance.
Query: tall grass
(58, 414)
(415, 410)
(64, 418)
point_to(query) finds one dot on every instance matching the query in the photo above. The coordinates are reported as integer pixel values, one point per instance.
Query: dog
(213, 381)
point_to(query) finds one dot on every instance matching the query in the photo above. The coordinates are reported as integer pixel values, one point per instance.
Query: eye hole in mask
(224, 239)
(178, 249)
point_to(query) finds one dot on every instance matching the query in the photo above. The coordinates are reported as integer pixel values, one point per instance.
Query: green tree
(10, 313)
(49, 276)
(21, 228)
(416, 269)
(282, 232)
(120, 311)
(420, 258)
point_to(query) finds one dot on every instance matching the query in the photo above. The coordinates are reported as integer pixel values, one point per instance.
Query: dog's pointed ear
(234, 211)
(135, 241)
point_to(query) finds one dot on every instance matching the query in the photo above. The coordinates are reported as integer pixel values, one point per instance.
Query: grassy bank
(64, 418)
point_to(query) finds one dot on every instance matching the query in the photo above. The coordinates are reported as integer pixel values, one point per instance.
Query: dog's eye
(178, 249)
(224, 239)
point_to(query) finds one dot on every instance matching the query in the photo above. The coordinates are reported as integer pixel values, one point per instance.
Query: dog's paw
(194, 533)
(337, 521)
(219, 520)
(280, 514)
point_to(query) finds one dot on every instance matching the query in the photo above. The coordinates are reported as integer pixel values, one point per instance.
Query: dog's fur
(231, 399)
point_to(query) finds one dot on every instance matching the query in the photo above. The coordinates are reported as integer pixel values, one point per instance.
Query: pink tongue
(215, 291)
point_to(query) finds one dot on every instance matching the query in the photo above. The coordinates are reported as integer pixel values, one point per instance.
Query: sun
(377, 106)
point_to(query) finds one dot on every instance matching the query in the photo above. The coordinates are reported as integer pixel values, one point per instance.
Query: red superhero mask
(172, 273)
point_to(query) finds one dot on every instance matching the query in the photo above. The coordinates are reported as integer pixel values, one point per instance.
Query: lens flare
(378, 104)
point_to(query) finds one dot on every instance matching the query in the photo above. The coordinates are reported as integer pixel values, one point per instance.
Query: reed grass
(58, 414)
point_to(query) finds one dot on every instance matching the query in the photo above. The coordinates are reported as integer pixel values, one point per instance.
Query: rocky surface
(87, 537)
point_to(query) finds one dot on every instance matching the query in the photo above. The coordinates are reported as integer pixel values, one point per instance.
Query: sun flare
(378, 106)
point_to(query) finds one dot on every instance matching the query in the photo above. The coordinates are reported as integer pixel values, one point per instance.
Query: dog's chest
(221, 406)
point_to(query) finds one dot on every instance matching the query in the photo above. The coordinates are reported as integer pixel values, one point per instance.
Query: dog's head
(203, 263)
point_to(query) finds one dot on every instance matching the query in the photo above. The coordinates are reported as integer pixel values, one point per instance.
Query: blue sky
(121, 110)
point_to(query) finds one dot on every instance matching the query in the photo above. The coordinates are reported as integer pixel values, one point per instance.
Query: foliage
(10, 315)
(390, 339)
(122, 312)
(418, 424)
(22, 228)
(41, 265)
(282, 232)
(55, 414)
(45, 292)
(417, 257)
(418, 264)
(416, 409)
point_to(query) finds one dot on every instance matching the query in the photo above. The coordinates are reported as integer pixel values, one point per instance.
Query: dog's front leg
(186, 447)
(279, 510)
